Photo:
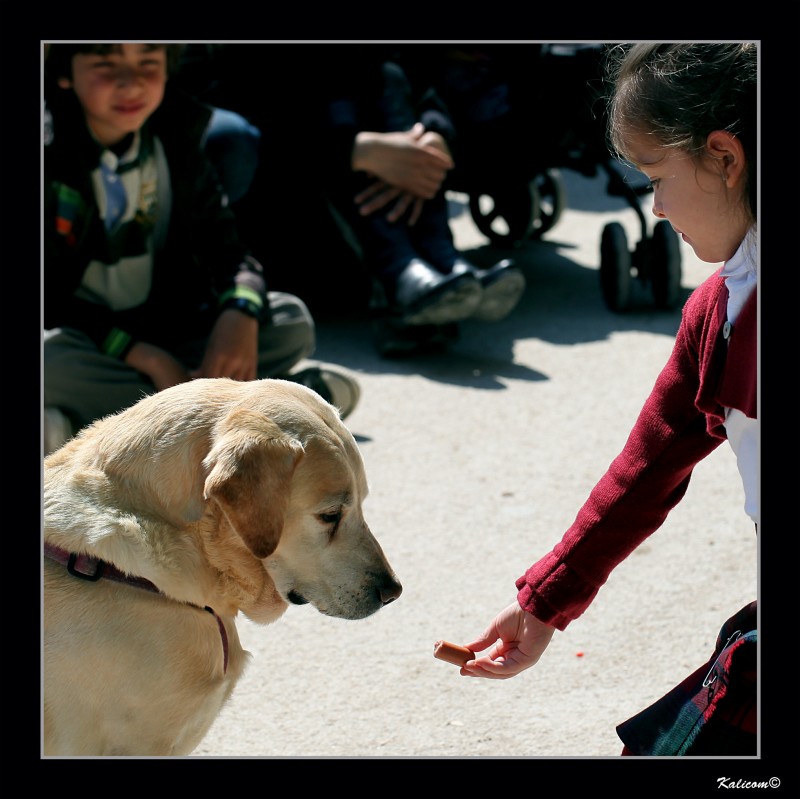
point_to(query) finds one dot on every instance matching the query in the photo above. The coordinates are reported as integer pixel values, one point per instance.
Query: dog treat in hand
(452, 653)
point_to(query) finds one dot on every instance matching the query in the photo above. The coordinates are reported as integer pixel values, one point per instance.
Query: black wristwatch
(245, 306)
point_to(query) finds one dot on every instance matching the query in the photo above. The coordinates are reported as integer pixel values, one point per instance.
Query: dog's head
(289, 479)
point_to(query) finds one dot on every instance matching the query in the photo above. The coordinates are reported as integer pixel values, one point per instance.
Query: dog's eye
(331, 519)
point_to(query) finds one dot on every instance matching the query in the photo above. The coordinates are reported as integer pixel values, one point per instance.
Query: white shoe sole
(500, 297)
(459, 303)
(344, 390)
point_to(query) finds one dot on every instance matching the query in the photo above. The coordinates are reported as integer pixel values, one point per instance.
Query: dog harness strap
(224, 637)
(87, 567)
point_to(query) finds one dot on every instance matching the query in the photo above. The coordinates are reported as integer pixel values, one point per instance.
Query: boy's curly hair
(58, 57)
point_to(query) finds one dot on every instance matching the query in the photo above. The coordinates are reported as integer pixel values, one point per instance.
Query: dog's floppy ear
(250, 468)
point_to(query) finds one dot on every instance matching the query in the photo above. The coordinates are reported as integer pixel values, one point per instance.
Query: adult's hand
(414, 161)
(378, 195)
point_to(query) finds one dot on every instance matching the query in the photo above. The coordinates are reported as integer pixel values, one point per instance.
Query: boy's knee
(232, 144)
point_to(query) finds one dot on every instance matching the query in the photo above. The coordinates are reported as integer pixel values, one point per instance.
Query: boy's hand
(162, 368)
(232, 349)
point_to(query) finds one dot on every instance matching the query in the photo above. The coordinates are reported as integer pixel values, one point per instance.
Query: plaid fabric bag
(714, 710)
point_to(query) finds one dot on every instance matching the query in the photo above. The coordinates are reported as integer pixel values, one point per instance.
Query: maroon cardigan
(682, 421)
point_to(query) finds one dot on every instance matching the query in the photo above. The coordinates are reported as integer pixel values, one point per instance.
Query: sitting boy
(146, 283)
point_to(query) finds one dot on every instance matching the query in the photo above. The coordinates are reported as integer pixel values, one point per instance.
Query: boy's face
(118, 90)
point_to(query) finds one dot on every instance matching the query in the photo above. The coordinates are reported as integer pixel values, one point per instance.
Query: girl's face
(703, 199)
(118, 90)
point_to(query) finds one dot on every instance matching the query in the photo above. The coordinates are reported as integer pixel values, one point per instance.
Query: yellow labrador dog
(161, 524)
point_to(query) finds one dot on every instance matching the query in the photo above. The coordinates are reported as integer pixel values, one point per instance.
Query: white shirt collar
(741, 273)
(112, 161)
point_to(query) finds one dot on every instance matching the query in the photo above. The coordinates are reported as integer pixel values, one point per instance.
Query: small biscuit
(452, 653)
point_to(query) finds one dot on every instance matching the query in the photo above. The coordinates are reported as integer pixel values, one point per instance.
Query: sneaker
(333, 385)
(57, 429)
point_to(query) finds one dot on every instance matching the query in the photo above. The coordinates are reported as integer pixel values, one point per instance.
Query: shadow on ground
(562, 305)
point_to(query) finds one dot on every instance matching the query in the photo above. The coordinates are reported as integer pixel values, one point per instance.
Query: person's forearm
(364, 151)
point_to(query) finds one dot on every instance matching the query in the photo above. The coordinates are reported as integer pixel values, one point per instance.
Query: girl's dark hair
(58, 57)
(679, 93)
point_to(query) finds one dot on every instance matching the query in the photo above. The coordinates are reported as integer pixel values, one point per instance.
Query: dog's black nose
(297, 599)
(390, 590)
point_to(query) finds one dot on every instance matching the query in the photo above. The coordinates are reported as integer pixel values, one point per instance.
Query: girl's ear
(64, 83)
(727, 150)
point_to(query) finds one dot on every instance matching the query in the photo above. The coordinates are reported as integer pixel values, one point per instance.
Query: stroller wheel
(664, 254)
(552, 201)
(615, 267)
(506, 216)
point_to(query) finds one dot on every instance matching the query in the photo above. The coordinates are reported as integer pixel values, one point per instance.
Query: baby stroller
(525, 111)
